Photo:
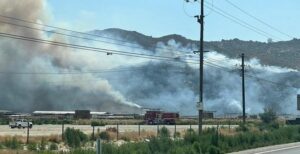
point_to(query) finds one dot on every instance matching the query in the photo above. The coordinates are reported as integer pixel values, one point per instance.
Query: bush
(177, 134)
(97, 123)
(32, 146)
(74, 137)
(164, 132)
(104, 135)
(214, 150)
(82, 151)
(53, 146)
(190, 136)
(42, 146)
(242, 127)
(268, 116)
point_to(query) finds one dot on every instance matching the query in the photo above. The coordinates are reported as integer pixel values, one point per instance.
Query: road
(291, 148)
(46, 130)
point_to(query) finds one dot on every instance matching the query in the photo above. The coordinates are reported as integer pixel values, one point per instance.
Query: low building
(5, 113)
(54, 114)
(78, 114)
(82, 114)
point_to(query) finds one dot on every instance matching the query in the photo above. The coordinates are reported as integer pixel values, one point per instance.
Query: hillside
(283, 53)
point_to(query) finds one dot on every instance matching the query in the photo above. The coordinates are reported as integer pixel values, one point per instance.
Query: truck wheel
(19, 126)
(30, 126)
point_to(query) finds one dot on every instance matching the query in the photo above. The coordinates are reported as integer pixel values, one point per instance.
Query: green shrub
(53, 146)
(177, 134)
(97, 123)
(190, 136)
(214, 150)
(74, 137)
(104, 135)
(82, 151)
(164, 132)
(242, 127)
(268, 116)
(197, 147)
(32, 146)
(42, 145)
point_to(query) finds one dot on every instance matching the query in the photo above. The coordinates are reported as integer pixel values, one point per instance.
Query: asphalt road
(291, 148)
(46, 130)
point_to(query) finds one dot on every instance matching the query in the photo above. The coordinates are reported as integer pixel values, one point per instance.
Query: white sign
(199, 105)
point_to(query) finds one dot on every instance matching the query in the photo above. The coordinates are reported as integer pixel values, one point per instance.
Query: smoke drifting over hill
(23, 91)
(129, 82)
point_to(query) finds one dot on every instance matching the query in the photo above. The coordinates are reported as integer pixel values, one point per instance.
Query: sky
(163, 17)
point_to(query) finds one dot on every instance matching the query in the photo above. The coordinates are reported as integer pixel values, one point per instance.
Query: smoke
(23, 91)
(144, 83)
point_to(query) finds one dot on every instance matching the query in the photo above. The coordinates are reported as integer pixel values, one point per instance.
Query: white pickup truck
(22, 123)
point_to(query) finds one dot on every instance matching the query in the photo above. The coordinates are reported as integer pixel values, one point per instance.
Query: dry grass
(131, 136)
(33, 139)
(227, 131)
(6, 151)
(109, 121)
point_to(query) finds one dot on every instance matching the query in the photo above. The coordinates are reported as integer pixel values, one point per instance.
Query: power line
(259, 20)
(117, 52)
(88, 48)
(250, 76)
(241, 22)
(81, 37)
(85, 38)
(82, 33)
(71, 73)
(139, 55)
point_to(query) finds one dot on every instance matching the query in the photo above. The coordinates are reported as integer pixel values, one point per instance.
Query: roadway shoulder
(269, 149)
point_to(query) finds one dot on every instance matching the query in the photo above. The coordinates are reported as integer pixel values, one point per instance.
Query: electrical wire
(241, 22)
(88, 48)
(83, 33)
(259, 20)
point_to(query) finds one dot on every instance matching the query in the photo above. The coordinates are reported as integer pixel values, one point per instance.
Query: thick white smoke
(26, 88)
(145, 82)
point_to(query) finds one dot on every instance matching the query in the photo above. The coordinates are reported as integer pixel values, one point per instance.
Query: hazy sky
(163, 17)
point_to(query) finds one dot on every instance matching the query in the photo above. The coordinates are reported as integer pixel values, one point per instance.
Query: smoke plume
(27, 85)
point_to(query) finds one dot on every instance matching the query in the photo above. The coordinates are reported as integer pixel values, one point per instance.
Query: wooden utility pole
(243, 88)
(201, 50)
(27, 140)
(62, 130)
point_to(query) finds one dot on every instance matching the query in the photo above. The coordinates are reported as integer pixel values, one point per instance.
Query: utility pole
(201, 50)
(200, 20)
(243, 88)
(63, 129)
(27, 139)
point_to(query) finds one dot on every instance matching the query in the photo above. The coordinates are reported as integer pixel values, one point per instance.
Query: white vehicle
(22, 123)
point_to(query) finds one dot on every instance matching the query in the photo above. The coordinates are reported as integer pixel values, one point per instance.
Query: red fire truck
(160, 117)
